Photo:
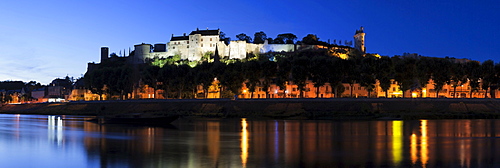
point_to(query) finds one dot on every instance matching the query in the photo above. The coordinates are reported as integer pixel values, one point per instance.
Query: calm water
(69, 141)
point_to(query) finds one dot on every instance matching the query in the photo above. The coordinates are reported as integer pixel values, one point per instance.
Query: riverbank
(340, 109)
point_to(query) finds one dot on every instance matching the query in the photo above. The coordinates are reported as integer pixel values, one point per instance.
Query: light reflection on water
(69, 141)
(244, 142)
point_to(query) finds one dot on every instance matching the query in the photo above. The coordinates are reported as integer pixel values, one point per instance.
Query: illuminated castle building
(194, 45)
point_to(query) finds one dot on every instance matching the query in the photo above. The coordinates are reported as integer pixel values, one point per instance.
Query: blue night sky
(44, 40)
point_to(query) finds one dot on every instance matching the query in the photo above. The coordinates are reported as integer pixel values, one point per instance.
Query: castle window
(188, 42)
(210, 39)
(201, 45)
(202, 39)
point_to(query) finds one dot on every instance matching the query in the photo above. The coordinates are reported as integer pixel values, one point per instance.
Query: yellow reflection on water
(424, 153)
(213, 138)
(244, 142)
(397, 141)
(413, 148)
(424, 146)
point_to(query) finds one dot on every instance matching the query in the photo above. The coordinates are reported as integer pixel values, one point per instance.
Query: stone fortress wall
(197, 43)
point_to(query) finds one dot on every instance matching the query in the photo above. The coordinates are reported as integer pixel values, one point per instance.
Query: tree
(300, 73)
(251, 72)
(337, 71)
(384, 73)
(405, 70)
(319, 72)
(367, 75)
(269, 70)
(473, 73)
(270, 40)
(440, 74)
(287, 38)
(231, 78)
(488, 76)
(244, 37)
(279, 40)
(424, 72)
(458, 76)
(351, 73)
(150, 76)
(222, 37)
(259, 37)
(204, 77)
(310, 39)
(284, 64)
(94, 81)
(181, 79)
(164, 76)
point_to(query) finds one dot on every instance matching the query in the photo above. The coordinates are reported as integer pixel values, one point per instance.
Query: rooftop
(206, 32)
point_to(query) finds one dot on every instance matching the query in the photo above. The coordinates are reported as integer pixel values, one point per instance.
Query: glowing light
(244, 142)
(55, 129)
(414, 95)
(397, 141)
(245, 91)
(213, 139)
(424, 151)
(343, 56)
(413, 148)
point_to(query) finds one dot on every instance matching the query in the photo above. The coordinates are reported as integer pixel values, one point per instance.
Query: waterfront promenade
(343, 108)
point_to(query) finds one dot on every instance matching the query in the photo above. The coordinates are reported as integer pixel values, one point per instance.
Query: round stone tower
(359, 40)
(141, 53)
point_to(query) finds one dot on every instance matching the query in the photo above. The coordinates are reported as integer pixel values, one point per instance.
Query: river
(71, 141)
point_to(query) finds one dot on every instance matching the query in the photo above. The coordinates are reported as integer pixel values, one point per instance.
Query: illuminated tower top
(359, 40)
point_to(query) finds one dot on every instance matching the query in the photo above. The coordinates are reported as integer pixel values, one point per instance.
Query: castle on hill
(193, 46)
